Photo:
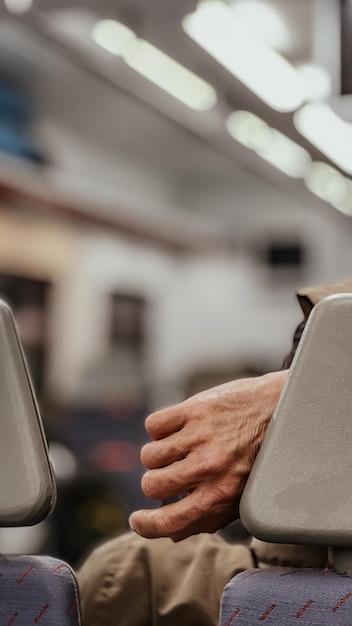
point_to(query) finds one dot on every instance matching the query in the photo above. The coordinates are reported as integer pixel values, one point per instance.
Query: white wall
(203, 312)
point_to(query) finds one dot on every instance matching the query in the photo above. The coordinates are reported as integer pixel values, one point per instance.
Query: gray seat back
(34, 589)
(300, 488)
(27, 486)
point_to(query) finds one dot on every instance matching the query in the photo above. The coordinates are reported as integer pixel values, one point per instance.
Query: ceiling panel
(97, 95)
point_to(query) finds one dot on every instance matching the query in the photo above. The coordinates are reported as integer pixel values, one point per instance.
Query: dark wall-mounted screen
(284, 255)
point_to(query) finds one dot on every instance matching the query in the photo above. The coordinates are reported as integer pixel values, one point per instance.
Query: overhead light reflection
(269, 143)
(328, 132)
(155, 65)
(217, 29)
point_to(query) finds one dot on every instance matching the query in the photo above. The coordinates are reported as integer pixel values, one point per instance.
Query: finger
(178, 478)
(170, 520)
(159, 485)
(189, 516)
(164, 423)
(161, 453)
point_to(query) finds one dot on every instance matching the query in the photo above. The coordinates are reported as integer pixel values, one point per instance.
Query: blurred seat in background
(33, 588)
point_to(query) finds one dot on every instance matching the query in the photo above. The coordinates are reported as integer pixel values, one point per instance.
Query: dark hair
(295, 341)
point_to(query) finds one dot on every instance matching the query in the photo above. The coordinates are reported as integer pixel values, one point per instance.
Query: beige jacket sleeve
(133, 581)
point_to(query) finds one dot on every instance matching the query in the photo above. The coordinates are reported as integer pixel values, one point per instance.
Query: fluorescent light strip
(328, 132)
(330, 185)
(217, 29)
(269, 143)
(317, 81)
(168, 74)
(266, 21)
(113, 36)
(345, 205)
(155, 65)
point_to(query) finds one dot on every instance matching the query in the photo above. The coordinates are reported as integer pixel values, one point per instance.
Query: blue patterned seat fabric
(287, 597)
(37, 590)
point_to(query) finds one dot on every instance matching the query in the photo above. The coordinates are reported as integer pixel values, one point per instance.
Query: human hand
(204, 449)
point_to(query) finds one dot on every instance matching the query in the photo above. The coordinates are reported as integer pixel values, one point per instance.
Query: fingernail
(130, 523)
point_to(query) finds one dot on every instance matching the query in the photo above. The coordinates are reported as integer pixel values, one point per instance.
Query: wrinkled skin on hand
(204, 449)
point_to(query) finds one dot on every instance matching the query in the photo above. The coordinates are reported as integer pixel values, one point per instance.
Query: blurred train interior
(170, 174)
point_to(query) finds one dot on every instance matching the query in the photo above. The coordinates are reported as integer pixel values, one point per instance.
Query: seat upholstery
(37, 590)
(287, 597)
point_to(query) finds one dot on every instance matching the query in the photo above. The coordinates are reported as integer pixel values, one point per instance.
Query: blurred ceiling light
(265, 21)
(113, 36)
(248, 129)
(317, 81)
(269, 143)
(217, 29)
(328, 132)
(155, 65)
(18, 6)
(168, 74)
(327, 183)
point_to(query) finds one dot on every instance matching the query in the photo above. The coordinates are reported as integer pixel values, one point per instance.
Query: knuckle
(216, 462)
(165, 525)
(215, 497)
(224, 491)
(211, 464)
